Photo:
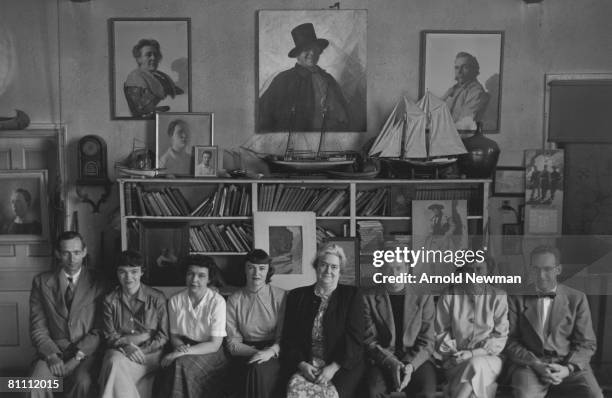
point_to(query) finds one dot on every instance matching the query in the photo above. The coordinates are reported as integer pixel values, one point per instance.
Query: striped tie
(69, 295)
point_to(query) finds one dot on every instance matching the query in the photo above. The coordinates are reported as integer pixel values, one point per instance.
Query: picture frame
(512, 239)
(206, 161)
(24, 211)
(509, 181)
(174, 155)
(136, 93)
(290, 239)
(163, 244)
(343, 36)
(439, 54)
(350, 274)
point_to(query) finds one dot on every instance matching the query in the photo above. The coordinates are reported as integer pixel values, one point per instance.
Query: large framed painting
(24, 214)
(163, 244)
(177, 135)
(312, 71)
(290, 239)
(150, 66)
(464, 69)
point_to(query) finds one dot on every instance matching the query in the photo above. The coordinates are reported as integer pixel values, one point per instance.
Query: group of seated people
(323, 340)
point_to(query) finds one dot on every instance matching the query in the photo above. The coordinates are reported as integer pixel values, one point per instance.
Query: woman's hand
(462, 356)
(327, 373)
(262, 356)
(183, 348)
(168, 359)
(134, 353)
(308, 371)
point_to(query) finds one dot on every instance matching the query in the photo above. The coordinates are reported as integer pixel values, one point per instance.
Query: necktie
(69, 295)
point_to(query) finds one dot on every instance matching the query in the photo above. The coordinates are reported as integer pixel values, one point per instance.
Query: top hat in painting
(303, 36)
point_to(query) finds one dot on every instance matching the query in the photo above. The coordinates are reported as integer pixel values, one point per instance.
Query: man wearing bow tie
(63, 314)
(551, 338)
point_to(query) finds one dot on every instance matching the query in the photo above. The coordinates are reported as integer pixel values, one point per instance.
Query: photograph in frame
(290, 239)
(349, 275)
(294, 44)
(24, 213)
(163, 244)
(177, 134)
(150, 66)
(464, 69)
(509, 181)
(206, 161)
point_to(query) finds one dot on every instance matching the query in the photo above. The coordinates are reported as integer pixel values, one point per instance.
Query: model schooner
(421, 134)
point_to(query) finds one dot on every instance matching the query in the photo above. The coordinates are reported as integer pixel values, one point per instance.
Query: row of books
(323, 234)
(443, 192)
(166, 201)
(323, 201)
(226, 201)
(221, 238)
(372, 203)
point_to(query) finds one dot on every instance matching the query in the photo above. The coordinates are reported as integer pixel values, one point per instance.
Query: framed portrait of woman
(177, 134)
(150, 66)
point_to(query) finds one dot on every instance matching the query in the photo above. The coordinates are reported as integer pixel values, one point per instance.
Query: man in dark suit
(63, 319)
(399, 339)
(551, 338)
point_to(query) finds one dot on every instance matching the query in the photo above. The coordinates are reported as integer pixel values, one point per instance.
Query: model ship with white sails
(421, 134)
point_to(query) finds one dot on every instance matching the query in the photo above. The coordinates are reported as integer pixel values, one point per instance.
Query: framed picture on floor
(163, 244)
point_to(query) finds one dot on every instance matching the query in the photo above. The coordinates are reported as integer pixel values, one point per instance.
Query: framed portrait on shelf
(163, 244)
(464, 69)
(509, 181)
(150, 66)
(350, 274)
(512, 239)
(290, 239)
(293, 41)
(206, 161)
(176, 136)
(24, 213)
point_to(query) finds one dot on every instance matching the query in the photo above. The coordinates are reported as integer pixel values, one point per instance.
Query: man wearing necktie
(551, 338)
(63, 319)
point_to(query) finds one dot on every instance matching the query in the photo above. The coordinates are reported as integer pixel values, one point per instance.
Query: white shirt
(201, 323)
(75, 277)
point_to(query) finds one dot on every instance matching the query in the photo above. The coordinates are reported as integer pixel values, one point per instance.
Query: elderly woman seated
(253, 328)
(197, 366)
(135, 323)
(323, 333)
(471, 332)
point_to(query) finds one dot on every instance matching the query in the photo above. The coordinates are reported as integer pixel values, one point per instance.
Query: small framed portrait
(24, 214)
(349, 275)
(295, 43)
(150, 66)
(163, 244)
(206, 161)
(176, 136)
(290, 238)
(512, 239)
(464, 69)
(509, 181)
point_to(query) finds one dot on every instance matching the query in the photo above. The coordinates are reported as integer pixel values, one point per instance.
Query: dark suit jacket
(52, 328)
(418, 337)
(571, 330)
(342, 323)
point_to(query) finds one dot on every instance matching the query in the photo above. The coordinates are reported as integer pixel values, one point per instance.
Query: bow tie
(550, 295)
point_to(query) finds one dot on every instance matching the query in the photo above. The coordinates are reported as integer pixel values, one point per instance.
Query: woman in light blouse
(471, 332)
(197, 366)
(253, 328)
(135, 326)
(323, 333)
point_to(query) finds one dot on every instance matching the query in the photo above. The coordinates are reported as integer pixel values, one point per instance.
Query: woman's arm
(235, 340)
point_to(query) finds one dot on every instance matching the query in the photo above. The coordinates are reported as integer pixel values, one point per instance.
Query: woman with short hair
(323, 332)
(253, 328)
(197, 366)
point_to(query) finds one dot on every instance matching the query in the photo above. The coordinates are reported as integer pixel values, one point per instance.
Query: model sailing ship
(421, 135)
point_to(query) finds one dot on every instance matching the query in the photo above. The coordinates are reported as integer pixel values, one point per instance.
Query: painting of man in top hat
(312, 71)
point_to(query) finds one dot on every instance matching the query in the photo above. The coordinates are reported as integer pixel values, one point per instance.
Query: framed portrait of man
(177, 134)
(312, 71)
(206, 161)
(24, 215)
(464, 69)
(150, 66)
